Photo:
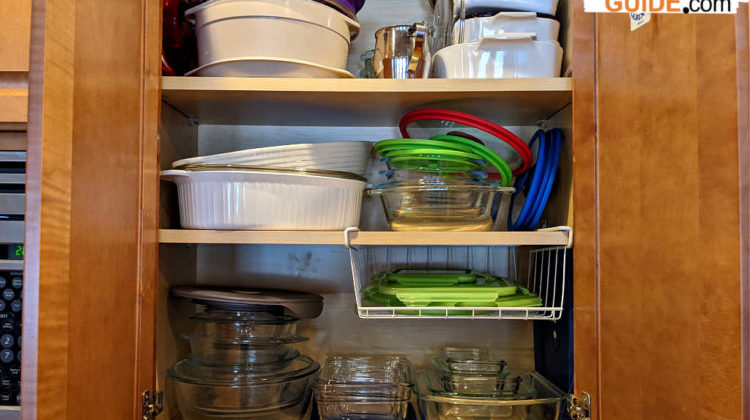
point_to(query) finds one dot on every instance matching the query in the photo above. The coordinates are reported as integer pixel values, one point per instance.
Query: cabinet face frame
(92, 200)
(48, 373)
(596, 253)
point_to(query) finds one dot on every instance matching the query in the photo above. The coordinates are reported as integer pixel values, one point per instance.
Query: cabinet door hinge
(152, 405)
(579, 408)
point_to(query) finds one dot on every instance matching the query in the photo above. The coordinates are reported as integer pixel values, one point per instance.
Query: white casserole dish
(507, 56)
(296, 30)
(341, 156)
(266, 200)
(268, 67)
(507, 22)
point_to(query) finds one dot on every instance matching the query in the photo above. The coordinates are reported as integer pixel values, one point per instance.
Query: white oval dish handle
(499, 39)
(171, 174)
(515, 15)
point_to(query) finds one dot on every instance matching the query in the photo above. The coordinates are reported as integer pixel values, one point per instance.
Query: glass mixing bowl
(230, 392)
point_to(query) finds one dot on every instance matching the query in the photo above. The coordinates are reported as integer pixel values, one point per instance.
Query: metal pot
(401, 52)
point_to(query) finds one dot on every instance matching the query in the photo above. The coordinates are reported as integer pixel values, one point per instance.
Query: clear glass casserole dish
(377, 387)
(544, 404)
(457, 205)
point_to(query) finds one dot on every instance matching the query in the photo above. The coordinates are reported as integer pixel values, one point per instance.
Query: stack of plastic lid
(446, 288)
(443, 176)
(476, 383)
(242, 363)
(368, 387)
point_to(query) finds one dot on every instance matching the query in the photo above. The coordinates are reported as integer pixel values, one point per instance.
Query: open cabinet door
(661, 185)
(92, 205)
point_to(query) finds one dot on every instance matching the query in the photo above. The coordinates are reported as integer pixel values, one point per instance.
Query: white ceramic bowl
(507, 22)
(268, 67)
(507, 56)
(298, 30)
(341, 156)
(265, 200)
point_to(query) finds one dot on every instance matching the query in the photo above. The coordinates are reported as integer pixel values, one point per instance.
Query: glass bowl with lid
(439, 205)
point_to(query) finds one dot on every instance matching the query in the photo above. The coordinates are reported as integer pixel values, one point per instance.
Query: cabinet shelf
(542, 238)
(360, 102)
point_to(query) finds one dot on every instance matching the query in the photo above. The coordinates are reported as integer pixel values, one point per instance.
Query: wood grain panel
(743, 136)
(93, 243)
(14, 105)
(149, 196)
(15, 34)
(584, 204)
(47, 258)
(669, 260)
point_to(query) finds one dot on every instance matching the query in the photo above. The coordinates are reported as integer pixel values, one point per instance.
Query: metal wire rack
(544, 275)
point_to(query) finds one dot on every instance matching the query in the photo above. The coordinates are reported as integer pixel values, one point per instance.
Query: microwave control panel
(11, 287)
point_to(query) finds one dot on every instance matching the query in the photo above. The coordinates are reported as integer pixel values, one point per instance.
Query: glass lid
(303, 305)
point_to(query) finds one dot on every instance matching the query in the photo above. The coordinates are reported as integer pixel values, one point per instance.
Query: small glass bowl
(243, 325)
(469, 360)
(258, 355)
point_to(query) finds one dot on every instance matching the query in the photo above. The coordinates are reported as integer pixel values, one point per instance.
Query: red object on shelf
(472, 121)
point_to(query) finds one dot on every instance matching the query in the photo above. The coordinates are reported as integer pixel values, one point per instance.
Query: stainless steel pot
(402, 52)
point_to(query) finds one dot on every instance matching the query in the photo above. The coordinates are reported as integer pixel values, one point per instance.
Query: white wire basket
(544, 276)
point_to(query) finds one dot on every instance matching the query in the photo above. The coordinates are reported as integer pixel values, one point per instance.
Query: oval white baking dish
(301, 30)
(507, 56)
(266, 200)
(342, 156)
(475, 29)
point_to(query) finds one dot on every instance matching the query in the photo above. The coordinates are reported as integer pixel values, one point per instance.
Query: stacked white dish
(293, 187)
(349, 156)
(512, 44)
(271, 38)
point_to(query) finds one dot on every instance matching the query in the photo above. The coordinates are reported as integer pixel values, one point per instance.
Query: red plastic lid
(514, 150)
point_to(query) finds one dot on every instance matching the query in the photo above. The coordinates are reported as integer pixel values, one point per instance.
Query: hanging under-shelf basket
(543, 286)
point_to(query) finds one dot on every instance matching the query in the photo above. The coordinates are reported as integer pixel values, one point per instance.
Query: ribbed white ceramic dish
(261, 200)
(268, 67)
(342, 156)
(272, 29)
(507, 22)
(507, 56)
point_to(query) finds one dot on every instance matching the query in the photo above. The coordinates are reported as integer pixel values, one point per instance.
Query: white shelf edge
(184, 236)
(230, 84)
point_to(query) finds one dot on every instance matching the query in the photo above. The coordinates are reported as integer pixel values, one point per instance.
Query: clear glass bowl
(469, 360)
(243, 325)
(227, 392)
(458, 205)
(398, 175)
(259, 356)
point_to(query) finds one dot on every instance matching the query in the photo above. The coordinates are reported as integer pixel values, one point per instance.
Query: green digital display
(15, 252)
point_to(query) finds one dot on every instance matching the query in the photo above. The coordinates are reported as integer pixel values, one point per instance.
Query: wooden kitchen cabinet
(657, 164)
(14, 64)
